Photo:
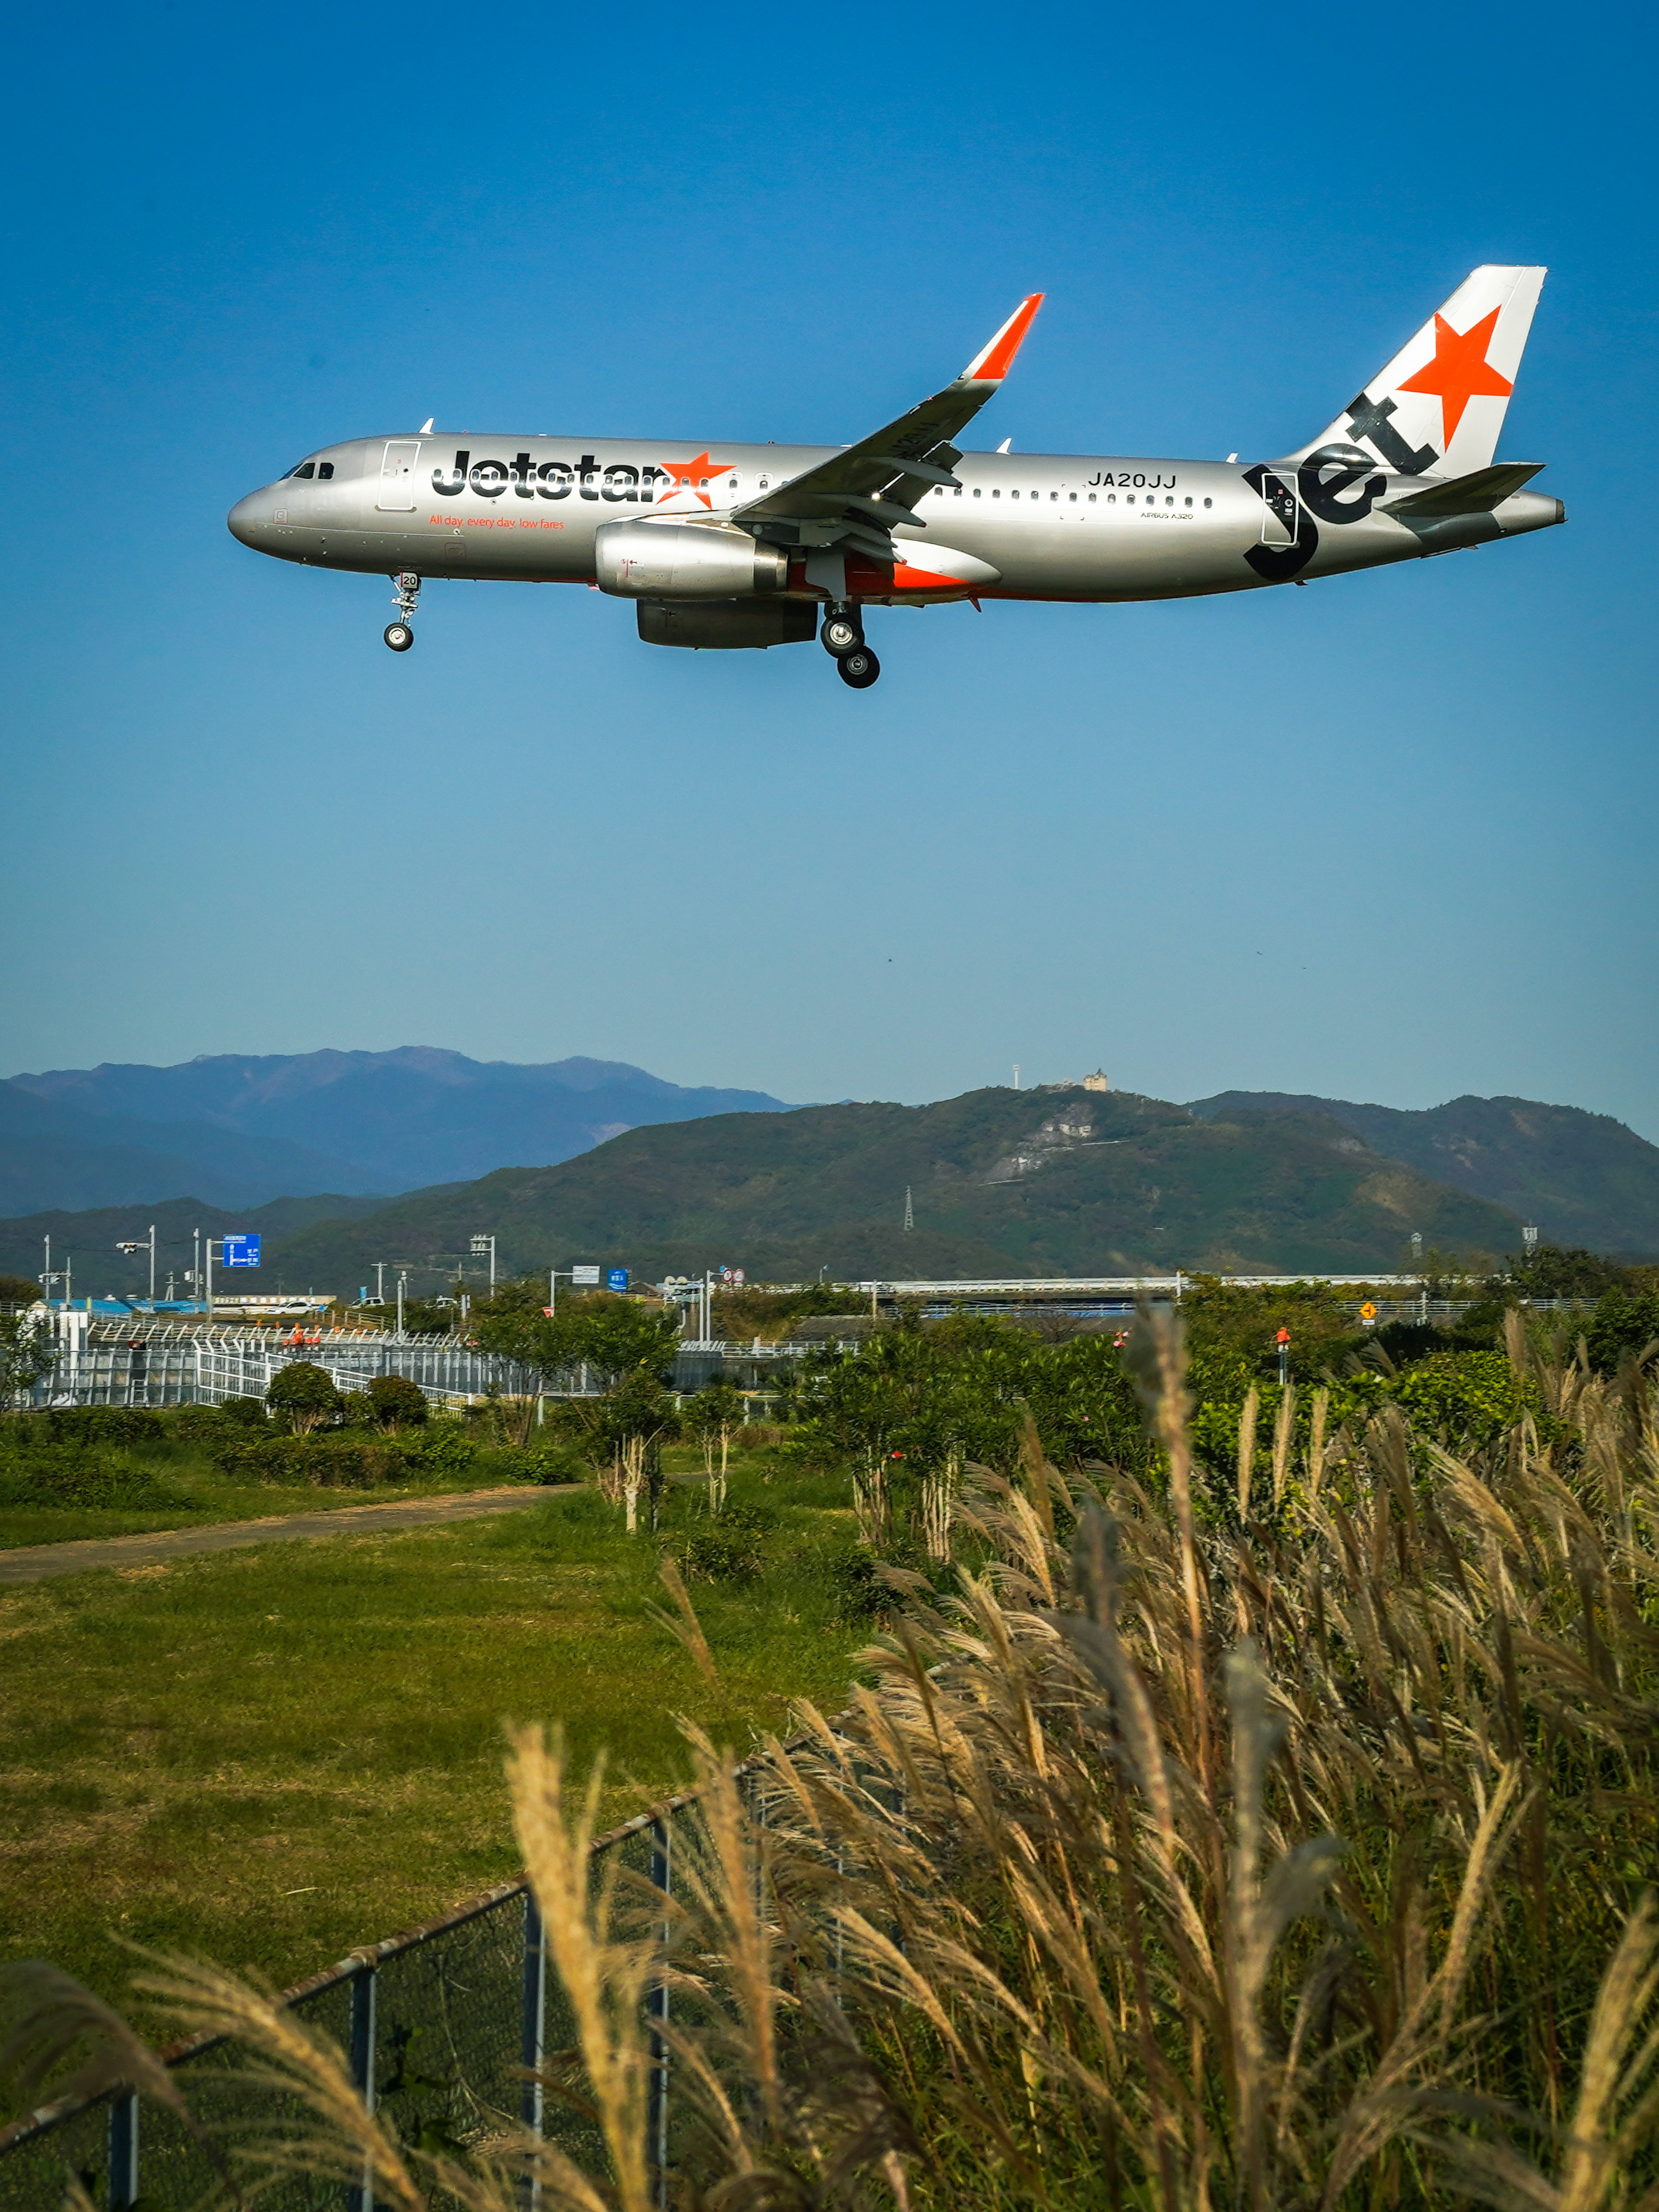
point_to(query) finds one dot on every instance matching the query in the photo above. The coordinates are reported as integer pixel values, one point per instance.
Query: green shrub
(857, 1574)
(305, 1393)
(103, 1424)
(545, 1463)
(243, 1413)
(397, 1402)
(1466, 1398)
(342, 1457)
(86, 1474)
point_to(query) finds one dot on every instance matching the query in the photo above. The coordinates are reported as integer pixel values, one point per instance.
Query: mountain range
(237, 1131)
(623, 1167)
(1582, 1178)
(1061, 1180)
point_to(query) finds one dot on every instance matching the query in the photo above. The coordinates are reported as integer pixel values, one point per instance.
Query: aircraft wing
(859, 496)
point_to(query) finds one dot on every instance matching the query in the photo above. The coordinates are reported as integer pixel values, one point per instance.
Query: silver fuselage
(1053, 525)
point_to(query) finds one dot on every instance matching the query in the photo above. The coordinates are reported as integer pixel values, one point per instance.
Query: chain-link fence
(442, 2026)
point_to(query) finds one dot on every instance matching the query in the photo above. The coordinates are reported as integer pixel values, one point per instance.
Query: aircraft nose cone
(244, 519)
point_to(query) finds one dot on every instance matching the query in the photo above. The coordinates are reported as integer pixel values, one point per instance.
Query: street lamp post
(480, 1246)
(403, 1276)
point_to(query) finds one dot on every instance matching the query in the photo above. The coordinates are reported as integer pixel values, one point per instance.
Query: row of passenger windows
(1093, 497)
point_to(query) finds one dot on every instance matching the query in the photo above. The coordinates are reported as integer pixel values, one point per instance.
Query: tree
(1623, 1322)
(613, 1336)
(306, 1392)
(396, 1400)
(1554, 1271)
(18, 1291)
(630, 1424)
(28, 1351)
(710, 1417)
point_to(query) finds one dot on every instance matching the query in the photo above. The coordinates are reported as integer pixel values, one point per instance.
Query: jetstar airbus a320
(761, 545)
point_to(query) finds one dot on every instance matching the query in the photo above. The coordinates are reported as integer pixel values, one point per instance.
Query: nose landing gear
(842, 638)
(399, 634)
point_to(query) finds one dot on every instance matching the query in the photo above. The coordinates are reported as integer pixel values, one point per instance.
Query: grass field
(217, 1501)
(212, 1496)
(269, 1755)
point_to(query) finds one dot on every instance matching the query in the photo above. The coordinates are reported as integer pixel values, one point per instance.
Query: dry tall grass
(1177, 1860)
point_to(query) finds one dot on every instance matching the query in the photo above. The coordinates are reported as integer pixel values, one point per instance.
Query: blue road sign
(616, 1279)
(241, 1251)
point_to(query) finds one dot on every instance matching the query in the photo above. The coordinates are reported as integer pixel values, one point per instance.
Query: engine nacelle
(641, 560)
(721, 625)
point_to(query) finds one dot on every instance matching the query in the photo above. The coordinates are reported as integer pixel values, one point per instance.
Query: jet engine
(720, 625)
(685, 561)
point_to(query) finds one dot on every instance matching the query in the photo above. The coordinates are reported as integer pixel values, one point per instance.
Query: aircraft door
(398, 475)
(1278, 512)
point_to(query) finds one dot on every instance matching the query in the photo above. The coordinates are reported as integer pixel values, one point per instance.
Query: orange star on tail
(1460, 371)
(692, 476)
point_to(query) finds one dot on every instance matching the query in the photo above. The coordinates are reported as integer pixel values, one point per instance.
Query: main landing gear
(842, 638)
(399, 634)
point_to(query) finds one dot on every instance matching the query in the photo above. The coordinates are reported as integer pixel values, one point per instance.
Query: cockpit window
(325, 469)
(304, 469)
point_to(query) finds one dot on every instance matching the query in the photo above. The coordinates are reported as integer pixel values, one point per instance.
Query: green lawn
(270, 1754)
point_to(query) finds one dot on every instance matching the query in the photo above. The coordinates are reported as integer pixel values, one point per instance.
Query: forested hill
(1582, 1178)
(1057, 1181)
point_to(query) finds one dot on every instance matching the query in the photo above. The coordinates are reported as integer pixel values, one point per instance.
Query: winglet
(991, 365)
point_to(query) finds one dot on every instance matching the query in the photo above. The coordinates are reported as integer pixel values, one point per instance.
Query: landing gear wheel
(842, 633)
(859, 667)
(399, 636)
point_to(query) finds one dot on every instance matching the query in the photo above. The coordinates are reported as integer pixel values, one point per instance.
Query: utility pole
(1283, 1340)
(210, 1277)
(402, 1279)
(480, 1246)
(380, 1282)
(46, 1279)
(138, 1245)
(195, 1277)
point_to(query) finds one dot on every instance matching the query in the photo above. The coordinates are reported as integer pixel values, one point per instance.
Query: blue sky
(1390, 838)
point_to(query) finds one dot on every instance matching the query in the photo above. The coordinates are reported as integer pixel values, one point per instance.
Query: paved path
(33, 1563)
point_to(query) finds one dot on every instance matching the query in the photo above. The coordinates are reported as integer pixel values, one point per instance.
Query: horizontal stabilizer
(1476, 494)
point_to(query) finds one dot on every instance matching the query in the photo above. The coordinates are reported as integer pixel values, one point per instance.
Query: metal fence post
(531, 2098)
(123, 2151)
(656, 2007)
(360, 2197)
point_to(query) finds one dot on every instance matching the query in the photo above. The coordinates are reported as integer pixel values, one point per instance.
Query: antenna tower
(909, 1216)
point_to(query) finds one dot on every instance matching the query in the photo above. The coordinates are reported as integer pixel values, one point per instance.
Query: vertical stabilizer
(1437, 408)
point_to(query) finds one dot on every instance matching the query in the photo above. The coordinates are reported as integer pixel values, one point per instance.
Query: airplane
(742, 545)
